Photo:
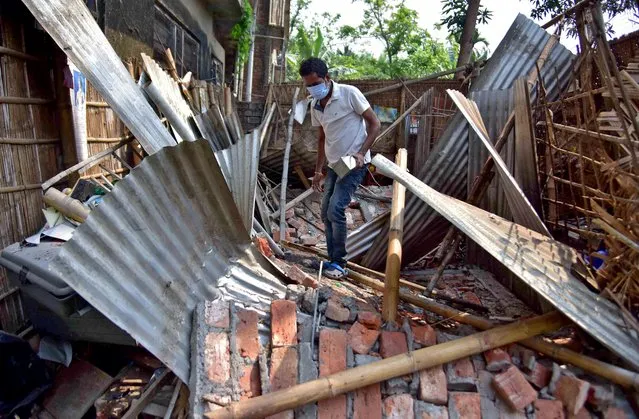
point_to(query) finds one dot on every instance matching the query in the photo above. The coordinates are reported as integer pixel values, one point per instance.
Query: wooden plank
(77, 33)
(522, 210)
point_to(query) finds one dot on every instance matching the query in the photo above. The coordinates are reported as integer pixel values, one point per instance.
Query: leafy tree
(461, 18)
(545, 9)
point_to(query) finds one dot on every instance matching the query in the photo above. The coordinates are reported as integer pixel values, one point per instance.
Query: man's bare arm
(372, 128)
(321, 159)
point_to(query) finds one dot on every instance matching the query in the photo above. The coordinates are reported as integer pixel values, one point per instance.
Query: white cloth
(342, 121)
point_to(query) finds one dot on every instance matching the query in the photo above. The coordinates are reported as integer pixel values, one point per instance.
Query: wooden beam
(86, 164)
(396, 366)
(302, 176)
(77, 33)
(24, 100)
(19, 54)
(409, 82)
(292, 203)
(566, 13)
(395, 235)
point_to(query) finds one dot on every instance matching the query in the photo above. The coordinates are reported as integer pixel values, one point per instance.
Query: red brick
(290, 213)
(308, 240)
(582, 414)
(471, 297)
(539, 376)
(614, 413)
(300, 277)
(367, 403)
(283, 368)
(512, 386)
(497, 360)
(276, 235)
(399, 407)
(216, 313)
(332, 359)
(246, 337)
(336, 311)
(370, 319)
(217, 358)
(392, 343)
(262, 245)
(361, 339)
(296, 223)
(549, 409)
(250, 383)
(573, 392)
(283, 323)
(424, 335)
(432, 385)
(461, 375)
(462, 405)
(291, 232)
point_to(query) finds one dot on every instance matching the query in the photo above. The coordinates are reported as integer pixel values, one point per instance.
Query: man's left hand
(360, 159)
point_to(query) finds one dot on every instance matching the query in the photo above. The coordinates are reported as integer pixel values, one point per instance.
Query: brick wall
(250, 114)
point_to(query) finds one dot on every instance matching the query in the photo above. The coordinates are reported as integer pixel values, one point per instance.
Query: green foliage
(545, 9)
(409, 51)
(454, 17)
(241, 32)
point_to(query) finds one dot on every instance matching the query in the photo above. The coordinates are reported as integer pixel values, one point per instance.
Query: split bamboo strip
(19, 54)
(398, 121)
(625, 378)
(98, 105)
(91, 161)
(28, 141)
(395, 234)
(594, 135)
(24, 100)
(19, 188)
(396, 366)
(68, 206)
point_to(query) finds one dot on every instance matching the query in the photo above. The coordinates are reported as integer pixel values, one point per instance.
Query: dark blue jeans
(337, 195)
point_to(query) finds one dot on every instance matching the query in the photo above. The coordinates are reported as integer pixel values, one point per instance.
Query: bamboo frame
(394, 255)
(396, 366)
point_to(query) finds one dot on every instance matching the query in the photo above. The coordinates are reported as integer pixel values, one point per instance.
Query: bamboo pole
(293, 202)
(287, 153)
(396, 366)
(625, 378)
(86, 164)
(395, 235)
(68, 206)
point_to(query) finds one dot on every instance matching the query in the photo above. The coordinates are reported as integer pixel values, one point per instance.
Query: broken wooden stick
(287, 153)
(396, 366)
(394, 255)
(293, 202)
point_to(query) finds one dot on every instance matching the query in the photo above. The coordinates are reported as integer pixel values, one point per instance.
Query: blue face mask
(319, 91)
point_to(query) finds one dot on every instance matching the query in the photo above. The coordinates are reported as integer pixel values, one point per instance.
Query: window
(169, 33)
(276, 12)
(217, 71)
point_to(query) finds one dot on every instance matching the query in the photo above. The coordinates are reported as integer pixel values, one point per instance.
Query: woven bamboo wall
(29, 138)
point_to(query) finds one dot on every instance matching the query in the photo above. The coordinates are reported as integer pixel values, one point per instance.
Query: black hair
(313, 65)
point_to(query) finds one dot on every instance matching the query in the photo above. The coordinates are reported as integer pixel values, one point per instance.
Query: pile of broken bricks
(240, 354)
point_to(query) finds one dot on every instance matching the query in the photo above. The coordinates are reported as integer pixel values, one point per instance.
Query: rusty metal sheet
(447, 165)
(167, 237)
(77, 33)
(536, 259)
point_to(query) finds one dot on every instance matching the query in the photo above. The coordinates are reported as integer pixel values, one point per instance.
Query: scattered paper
(60, 232)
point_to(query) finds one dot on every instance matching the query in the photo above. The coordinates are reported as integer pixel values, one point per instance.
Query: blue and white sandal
(333, 271)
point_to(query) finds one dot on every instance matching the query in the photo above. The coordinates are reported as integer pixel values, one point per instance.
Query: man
(347, 127)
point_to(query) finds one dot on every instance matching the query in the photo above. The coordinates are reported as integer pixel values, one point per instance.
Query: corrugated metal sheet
(523, 212)
(357, 240)
(538, 260)
(239, 165)
(166, 94)
(447, 164)
(166, 237)
(213, 128)
(76, 32)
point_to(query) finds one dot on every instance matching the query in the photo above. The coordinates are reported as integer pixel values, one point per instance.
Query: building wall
(131, 28)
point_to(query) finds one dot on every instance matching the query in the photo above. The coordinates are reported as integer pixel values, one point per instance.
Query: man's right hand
(318, 184)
